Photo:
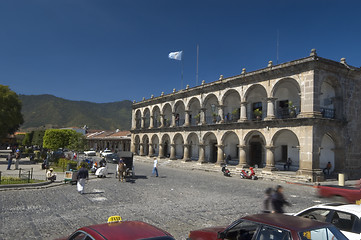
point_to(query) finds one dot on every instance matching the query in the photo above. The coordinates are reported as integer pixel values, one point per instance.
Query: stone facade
(307, 110)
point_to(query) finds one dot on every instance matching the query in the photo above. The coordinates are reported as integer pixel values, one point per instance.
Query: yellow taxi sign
(358, 202)
(114, 219)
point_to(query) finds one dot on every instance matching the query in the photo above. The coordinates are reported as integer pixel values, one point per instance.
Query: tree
(28, 139)
(37, 139)
(10, 111)
(63, 138)
(77, 142)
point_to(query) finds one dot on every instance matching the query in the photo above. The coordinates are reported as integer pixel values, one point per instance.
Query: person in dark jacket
(267, 201)
(82, 176)
(278, 200)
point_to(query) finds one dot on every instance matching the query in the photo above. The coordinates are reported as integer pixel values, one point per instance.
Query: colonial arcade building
(307, 110)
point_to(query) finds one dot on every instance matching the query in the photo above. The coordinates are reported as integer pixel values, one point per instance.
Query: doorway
(255, 154)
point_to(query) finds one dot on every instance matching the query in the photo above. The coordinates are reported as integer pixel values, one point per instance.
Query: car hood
(210, 230)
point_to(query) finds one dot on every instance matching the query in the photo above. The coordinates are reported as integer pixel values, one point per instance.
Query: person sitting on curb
(50, 175)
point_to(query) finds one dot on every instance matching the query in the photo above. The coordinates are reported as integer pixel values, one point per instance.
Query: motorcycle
(249, 175)
(226, 171)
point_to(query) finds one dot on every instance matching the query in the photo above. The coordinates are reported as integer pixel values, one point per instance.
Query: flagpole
(197, 65)
(182, 71)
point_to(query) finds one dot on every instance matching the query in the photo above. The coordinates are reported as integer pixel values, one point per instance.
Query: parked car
(89, 153)
(270, 226)
(346, 217)
(119, 230)
(106, 152)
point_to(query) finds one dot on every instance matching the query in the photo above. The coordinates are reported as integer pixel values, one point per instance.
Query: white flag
(176, 55)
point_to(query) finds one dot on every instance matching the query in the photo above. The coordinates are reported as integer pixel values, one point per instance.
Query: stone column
(203, 116)
(161, 151)
(142, 123)
(151, 150)
(220, 154)
(220, 113)
(201, 157)
(270, 158)
(173, 120)
(161, 120)
(134, 124)
(172, 152)
(186, 153)
(242, 156)
(270, 109)
(141, 150)
(151, 123)
(133, 147)
(243, 113)
(187, 120)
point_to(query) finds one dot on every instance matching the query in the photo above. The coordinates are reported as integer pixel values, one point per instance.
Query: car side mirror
(221, 235)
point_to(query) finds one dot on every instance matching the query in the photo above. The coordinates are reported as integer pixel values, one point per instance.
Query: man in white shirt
(155, 164)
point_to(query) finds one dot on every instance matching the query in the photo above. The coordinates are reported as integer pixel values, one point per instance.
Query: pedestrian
(50, 175)
(287, 164)
(17, 159)
(10, 159)
(278, 200)
(82, 176)
(327, 168)
(155, 169)
(267, 208)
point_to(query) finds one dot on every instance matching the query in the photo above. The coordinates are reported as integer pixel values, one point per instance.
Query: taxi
(116, 229)
(270, 226)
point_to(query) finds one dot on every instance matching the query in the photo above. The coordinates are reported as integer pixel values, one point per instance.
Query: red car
(340, 193)
(270, 226)
(118, 230)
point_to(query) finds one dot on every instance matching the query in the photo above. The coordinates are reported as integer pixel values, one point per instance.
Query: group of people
(10, 157)
(274, 201)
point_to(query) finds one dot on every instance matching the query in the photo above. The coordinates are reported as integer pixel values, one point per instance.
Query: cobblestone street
(177, 201)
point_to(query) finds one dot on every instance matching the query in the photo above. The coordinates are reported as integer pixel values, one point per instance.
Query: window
(344, 221)
(241, 230)
(270, 233)
(322, 234)
(317, 214)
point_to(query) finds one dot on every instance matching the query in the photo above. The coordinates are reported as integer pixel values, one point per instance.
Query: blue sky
(112, 50)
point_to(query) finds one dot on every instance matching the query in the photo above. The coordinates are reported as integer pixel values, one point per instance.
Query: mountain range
(47, 111)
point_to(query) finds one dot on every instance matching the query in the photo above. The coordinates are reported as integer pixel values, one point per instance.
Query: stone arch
(256, 98)
(155, 145)
(156, 116)
(331, 100)
(137, 144)
(231, 102)
(166, 143)
(326, 152)
(193, 142)
(230, 141)
(211, 104)
(138, 119)
(179, 110)
(194, 108)
(146, 116)
(255, 148)
(145, 143)
(167, 114)
(210, 141)
(287, 93)
(287, 145)
(178, 145)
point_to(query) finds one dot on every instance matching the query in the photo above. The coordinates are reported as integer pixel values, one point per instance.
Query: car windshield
(322, 234)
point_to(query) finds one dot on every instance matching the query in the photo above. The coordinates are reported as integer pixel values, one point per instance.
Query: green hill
(52, 112)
